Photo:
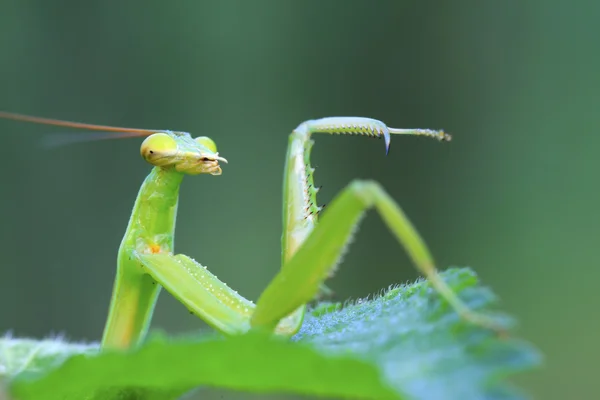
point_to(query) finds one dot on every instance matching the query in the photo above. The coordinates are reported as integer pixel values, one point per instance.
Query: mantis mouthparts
(218, 158)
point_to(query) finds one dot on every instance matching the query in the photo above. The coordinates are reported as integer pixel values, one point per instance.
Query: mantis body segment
(312, 242)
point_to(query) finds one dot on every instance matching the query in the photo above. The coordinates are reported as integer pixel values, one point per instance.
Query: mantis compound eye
(157, 148)
(207, 142)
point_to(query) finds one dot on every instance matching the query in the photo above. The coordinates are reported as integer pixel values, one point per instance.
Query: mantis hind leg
(299, 280)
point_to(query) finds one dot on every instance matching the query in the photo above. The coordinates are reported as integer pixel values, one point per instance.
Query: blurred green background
(515, 195)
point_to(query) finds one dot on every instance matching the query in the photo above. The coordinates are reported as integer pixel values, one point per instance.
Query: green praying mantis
(313, 240)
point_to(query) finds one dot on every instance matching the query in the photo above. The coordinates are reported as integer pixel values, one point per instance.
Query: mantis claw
(388, 139)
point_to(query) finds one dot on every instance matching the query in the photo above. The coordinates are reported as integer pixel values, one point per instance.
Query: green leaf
(404, 343)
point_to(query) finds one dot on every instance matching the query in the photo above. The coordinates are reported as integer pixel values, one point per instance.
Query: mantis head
(179, 151)
(168, 149)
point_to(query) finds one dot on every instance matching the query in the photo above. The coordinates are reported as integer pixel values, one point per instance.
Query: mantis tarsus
(310, 250)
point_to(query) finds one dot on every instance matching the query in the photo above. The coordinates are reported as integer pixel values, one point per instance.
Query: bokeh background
(515, 195)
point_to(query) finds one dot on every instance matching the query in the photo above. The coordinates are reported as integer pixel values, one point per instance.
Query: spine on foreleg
(350, 126)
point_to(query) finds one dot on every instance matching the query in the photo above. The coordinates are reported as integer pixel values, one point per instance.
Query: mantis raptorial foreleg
(205, 295)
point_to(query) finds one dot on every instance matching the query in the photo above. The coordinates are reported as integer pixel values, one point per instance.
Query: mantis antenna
(117, 132)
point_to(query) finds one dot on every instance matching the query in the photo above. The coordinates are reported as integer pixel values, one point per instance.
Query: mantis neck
(150, 230)
(152, 222)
